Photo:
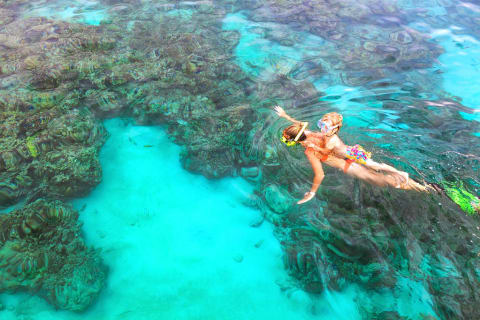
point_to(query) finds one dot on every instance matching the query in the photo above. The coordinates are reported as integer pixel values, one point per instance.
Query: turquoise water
(168, 261)
(267, 58)
(154, 120)
(81, 11)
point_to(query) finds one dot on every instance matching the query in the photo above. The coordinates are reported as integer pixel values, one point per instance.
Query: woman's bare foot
(405, 176)
(435, 187)
(476, 205)
(414, 185)
(403, 180)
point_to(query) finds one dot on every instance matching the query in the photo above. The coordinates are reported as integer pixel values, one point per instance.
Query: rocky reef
(174, 64)
(365, 40)
(58, 80)
(42, 252)
(48, 141)
(355, 233)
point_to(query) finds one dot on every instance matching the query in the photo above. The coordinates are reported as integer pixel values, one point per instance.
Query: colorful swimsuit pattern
(356, 154)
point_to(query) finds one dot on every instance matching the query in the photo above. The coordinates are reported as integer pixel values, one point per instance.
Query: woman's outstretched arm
(317, 179)
(281, 113)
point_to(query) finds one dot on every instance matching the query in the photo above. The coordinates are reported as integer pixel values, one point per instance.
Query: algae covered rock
(52, 150)
(278, 199)
(42, 252)
(214, 141)
(364, 40)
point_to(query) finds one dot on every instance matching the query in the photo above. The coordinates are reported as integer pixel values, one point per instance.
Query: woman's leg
(382, 180)
(386, 168)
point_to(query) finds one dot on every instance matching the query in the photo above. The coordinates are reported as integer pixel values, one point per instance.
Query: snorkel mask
(325, 127)
(288, 143)
(291, 143)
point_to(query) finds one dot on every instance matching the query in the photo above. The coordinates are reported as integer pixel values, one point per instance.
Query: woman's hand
(280, 112)
(307, 197)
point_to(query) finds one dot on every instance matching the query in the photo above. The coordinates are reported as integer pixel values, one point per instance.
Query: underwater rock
(250, 172)
(365, 29)
(284, 88)
(6, 16)
(238, 258)
(12, 188)
(80, 284)
(334, 246)
(301, 261)
(214, 140)
(54, 149)
(176, 76)
(71, 172)
(41, 251)
(402, 37)
(277, 199)
(387, 315)
(36, 102)
(281, 35)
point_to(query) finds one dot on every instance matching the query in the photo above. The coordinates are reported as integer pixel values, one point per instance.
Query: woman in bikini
(326, 147)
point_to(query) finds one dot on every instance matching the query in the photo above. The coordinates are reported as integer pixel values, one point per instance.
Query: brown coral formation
(49, 152)
(365, 40)
(57, 81)
(41, 252)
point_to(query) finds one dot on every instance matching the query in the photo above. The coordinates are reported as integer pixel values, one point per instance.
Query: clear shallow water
(88, 12)
(179, 246)
(168, 261)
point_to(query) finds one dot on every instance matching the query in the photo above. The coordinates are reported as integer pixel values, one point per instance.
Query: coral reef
(173, 64)
(365, 40)
(356, 233)
(58, 80)
(41, 252)
(49, 152)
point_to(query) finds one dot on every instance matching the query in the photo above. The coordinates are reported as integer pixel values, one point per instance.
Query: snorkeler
(326, 147)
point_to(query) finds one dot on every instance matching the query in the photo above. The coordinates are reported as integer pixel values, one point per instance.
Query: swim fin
(467, 201)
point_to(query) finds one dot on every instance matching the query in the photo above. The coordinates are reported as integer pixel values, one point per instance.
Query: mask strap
(305, 124)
